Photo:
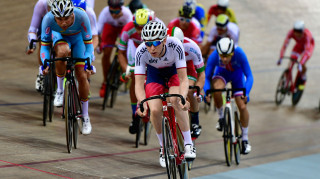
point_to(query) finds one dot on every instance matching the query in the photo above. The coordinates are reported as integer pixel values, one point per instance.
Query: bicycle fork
(231, 105)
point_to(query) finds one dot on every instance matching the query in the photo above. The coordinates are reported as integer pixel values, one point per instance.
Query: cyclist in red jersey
(222, 8)
(304, 47)
(190, 26)
(110, 23)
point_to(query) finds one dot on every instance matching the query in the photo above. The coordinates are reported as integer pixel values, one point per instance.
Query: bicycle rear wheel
(68, 114)
(115, 85)
(46, 99)
(168, 149)
(77, 115)
(227, 136)
(183, 168)
(281, 90)
(237, 133)
(109, 83)
(147, 132)
(52, 89)
(138, 134)
(296, 96)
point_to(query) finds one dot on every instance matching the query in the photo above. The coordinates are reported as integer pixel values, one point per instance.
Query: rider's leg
(218, 83)
(194, 111)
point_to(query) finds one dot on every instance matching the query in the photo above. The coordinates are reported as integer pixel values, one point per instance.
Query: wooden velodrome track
(29, 150)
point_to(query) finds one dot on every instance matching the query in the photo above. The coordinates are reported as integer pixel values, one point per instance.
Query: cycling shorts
(74, 41)
(191, 71)
(109, 35)
(299, 50)
(157, 78)
(236, 78)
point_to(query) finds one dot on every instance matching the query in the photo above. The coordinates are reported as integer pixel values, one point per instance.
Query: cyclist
(130, 39)
(199, 13)
(40, 10)
(110, 23)
(75, 29)
(230, 64)
(90, 3)
(190, 26)
(223, 28)
(134, 5)
(222, 8)
(304, 48)
(164, 57)
(196, 76)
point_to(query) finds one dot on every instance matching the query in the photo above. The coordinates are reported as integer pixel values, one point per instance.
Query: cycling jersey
(40, 10)
(193, 54)
(78, 35)
(161, 68)
(93, 20)
(238, 71)
(201, 16)
(193, 31)
(229, 12)
(233, 32)
(90, 3)
(304, 46)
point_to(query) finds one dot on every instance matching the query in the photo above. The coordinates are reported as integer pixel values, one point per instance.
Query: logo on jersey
(195, 52)
(88, 36)
(47, 30)
(139, 54)
(172, 45)
(153, 61)
(84, 27)
(180, 52)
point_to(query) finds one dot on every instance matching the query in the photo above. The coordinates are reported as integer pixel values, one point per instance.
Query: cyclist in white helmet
(165, 59)
(75, 29)
(229, 63)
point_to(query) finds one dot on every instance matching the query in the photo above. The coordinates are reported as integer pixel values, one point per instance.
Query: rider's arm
(122, 56)
(87, 35)
(94, 28)
(212, 11)
(140, 72)
(231, 15)
(285, 43)
(246, 70)
(212, 62)
(308, 47)
(184, 83)
(181, 65)
(46, 39)
(102, 19)
(38, 12)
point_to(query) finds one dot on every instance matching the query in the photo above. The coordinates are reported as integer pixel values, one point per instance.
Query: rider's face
(298, 34)
(156, 51)
(65, 22)
(226, 59)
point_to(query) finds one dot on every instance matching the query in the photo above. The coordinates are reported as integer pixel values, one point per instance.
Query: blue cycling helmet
(80, 3)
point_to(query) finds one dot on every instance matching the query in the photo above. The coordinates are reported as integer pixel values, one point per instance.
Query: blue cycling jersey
(200, 15)
(78, 35)
(238, 65)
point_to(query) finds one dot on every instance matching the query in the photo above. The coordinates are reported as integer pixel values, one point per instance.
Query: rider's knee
(62, 50)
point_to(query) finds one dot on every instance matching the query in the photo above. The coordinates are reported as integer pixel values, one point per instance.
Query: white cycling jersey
(93, 20)
(174, 54)
(90, 3)
(105, 17)
(193, 52)
(233, 33)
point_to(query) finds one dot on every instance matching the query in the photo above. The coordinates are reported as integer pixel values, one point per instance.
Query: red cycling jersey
(192, 32)
(304, 46)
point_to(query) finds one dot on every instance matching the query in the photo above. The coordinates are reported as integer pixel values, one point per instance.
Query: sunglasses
(117, 11)
(226, 55)
(154, 43)
(184, 19)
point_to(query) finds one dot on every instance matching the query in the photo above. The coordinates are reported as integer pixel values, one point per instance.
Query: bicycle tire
(183, 168)
(46, 99)
(168, 149)
(109, 83)
(138, 134)
(281, 89)
(147, 132)
(52, 89)
(227, 137)
(76, 118)
(75, 133)
(237, 133)
(115, 85)
(68, 115)
(296, 96)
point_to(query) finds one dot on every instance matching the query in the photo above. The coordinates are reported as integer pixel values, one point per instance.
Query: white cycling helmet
(225, 46)
(49, 3)
(191, 3)
(62, 8)
(298, 25)
(153, 30)
(223, 3)
(176, 32)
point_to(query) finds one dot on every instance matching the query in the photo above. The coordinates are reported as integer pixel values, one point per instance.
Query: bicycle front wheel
(68, 114)
(147, 132)
(281, 90)
(168, 149)
(138, 134)
(237, 132)
(46, 99)
(227, 136)
(52, 82)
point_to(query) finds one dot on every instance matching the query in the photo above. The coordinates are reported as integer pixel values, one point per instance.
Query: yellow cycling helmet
(222, 20)
(186, 11)
(141, 17)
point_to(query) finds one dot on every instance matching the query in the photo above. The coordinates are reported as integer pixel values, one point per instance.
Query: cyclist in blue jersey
(68, 27)
(230, 64)
(200, 14)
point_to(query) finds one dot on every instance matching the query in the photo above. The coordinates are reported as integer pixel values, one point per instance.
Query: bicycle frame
(290, 81)
(230, 103)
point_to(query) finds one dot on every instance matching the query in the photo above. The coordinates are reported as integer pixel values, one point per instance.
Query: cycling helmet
(223, 3)
(176, 32)
(80, 4)
(222, 20)
(186, 11)
(134, 5)
(141, 17)
(225, 46)
(62, 8)
(153, 30)
(115, 3)
(298, 25)
(191, 3)
(49, 3)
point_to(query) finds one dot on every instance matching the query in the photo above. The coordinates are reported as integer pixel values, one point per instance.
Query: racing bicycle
(232, 130)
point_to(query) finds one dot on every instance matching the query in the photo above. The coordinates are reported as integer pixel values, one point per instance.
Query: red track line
(35, 169)
(147, 150)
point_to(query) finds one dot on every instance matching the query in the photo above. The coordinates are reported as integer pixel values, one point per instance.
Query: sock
(187, 138)
(85, 106)
(134, 108)
(245, 133)
(60, 80)
(194, 117)
(220, 112)
(160, 138)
